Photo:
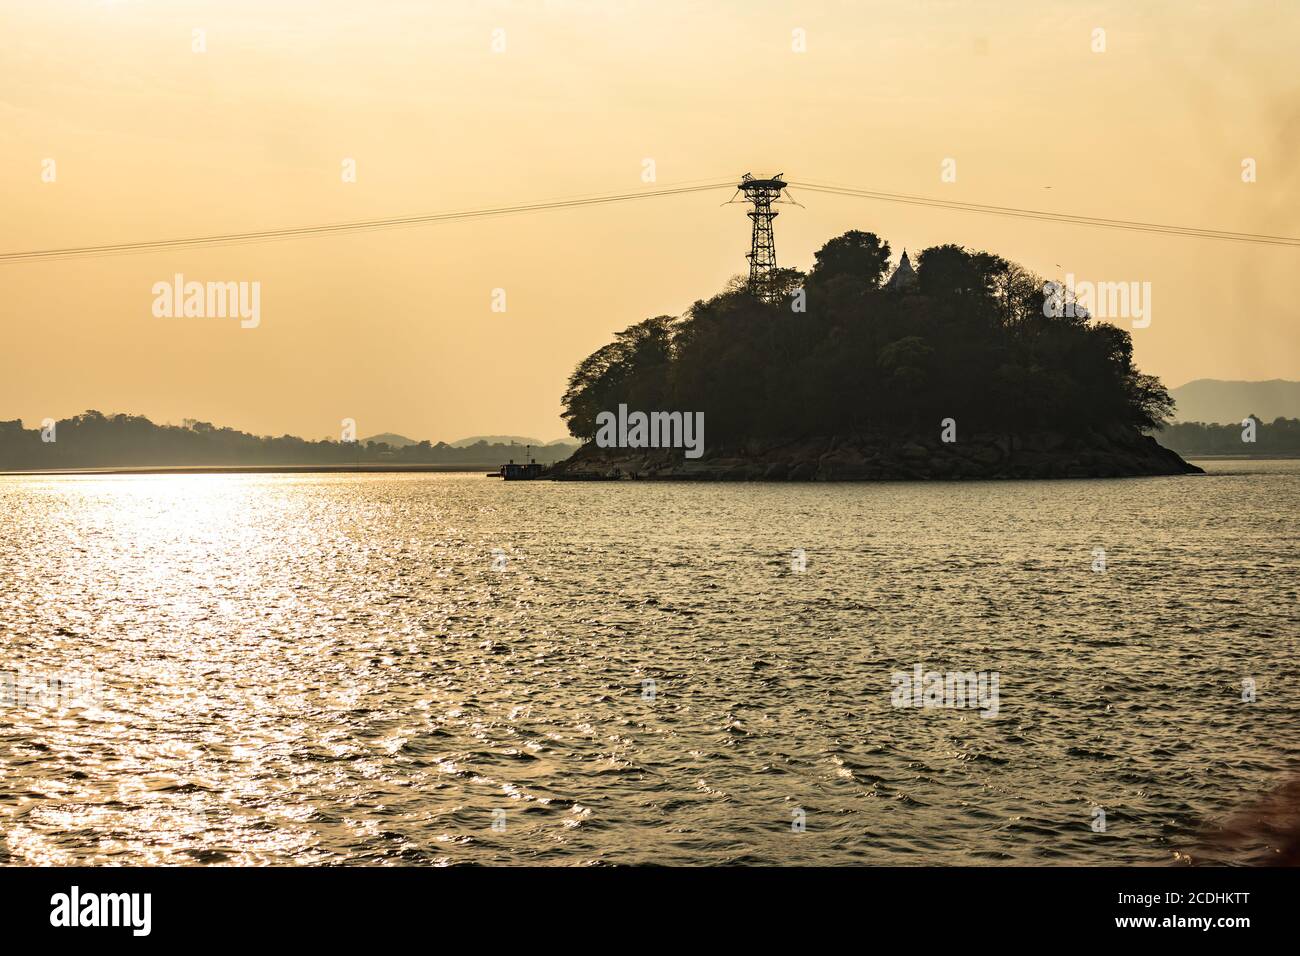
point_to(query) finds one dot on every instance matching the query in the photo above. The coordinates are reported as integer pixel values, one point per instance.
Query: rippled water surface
(366, 668)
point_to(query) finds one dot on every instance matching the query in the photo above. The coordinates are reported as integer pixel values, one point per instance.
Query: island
(966, 366)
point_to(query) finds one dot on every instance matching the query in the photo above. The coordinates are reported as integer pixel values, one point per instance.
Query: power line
(1043, 215)
(396, 222)
(327, 229)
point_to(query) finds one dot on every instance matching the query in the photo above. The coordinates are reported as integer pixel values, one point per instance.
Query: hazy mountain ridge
(391, 439)
(1220, 401)
(394, 440)
(502, 440)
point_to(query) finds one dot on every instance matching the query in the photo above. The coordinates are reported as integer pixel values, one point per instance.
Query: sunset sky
(152, 140)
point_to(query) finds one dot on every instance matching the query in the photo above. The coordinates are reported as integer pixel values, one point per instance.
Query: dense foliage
(1281, 437)
(968, 339)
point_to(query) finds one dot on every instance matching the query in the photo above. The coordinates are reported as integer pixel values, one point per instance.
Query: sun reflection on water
(334, 668)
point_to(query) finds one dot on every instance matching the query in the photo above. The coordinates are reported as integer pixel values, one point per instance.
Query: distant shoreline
(466, 467)
(375, 468)
(1243, 457)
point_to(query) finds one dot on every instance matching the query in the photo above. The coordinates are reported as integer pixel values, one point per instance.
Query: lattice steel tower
(762, 250)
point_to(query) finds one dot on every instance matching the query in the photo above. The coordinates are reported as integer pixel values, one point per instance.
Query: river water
(429, 669)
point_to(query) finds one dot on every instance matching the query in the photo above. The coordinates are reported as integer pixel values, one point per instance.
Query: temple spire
(904, 275)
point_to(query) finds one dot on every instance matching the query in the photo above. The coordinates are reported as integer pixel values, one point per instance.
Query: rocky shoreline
(1115, 452)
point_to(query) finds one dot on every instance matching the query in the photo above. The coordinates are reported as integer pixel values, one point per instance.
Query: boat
(531, 471)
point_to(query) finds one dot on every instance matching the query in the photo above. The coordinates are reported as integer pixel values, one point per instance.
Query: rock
(985, 454)
(1051, 441)
(871, 456)
(914, 451)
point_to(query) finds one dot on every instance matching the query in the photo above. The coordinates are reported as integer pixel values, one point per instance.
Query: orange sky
(394, 329)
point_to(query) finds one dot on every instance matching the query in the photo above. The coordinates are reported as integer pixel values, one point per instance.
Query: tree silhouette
(862, 255)
(975, 341)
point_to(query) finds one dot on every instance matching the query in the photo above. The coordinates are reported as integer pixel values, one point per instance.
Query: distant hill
(1215, 400)
(497, 440)
(401, 441)
(390, 439)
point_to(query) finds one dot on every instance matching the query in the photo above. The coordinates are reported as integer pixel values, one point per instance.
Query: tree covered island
(959, 368)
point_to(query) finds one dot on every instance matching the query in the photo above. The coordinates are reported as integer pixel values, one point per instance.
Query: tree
(952, 271)
(630, 370)
(1149, 401)
(858, 254)
(591, 386)
(977, 343)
